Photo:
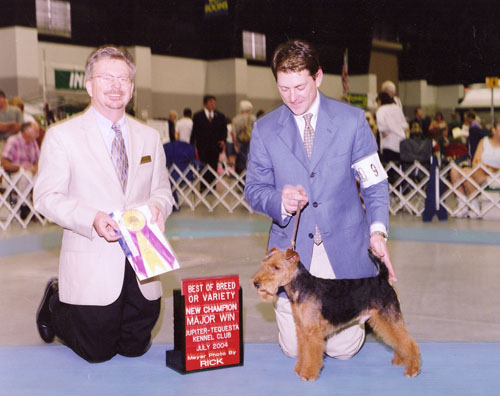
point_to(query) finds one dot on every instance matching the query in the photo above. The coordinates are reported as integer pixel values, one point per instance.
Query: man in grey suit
(307, 155)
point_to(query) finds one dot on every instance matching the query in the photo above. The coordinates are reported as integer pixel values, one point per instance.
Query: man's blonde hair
(109, 52)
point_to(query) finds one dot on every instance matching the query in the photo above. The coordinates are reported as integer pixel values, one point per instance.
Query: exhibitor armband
(370, 171)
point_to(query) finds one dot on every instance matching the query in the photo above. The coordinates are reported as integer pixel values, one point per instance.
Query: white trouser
(342, 345)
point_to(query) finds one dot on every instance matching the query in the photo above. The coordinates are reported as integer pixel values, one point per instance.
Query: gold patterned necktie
(308, 135)
(119, 156)
(308, 144)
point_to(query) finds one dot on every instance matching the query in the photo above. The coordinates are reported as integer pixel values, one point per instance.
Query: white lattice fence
(16, 203)
(407, 192)
(408, 189)
(191, 188)
(483, 201)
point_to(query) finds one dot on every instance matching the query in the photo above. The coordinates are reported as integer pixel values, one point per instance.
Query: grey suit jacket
(278, 157)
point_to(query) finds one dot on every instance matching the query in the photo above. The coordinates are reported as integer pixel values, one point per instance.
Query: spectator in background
(419, 124)
(242, 133)
(19, 103)
(470, 121)
(260, 113)
(438, 132)
(230, 150)
(184, 126)
(370, 119)
(173, 116)
(488, 155)
(390, 89)
(21, 150)
(11, 119)
(473, 131)
(209, 136)
(171, 130)
(391, 124)
(454, 123)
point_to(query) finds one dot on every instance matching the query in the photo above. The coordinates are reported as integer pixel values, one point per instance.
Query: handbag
(414, 149)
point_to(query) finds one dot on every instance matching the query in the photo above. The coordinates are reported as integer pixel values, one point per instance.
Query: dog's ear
(292, 255)
(270, 252)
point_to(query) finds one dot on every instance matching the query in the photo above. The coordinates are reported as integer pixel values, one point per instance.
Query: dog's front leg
(312, 347)
(300, 347)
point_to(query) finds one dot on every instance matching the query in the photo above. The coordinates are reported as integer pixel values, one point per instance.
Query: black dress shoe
(43, 315)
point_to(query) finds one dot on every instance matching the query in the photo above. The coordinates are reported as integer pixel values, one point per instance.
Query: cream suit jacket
(76, 178)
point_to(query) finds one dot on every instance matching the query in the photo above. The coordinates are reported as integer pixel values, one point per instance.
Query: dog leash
(296, 225)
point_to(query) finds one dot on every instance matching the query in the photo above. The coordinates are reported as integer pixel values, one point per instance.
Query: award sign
(208, 321)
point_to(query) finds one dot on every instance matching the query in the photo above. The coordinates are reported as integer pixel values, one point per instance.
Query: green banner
(360, 100)
(69, 79)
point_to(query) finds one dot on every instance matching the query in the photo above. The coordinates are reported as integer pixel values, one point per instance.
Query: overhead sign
(492, 82)
(208, 330)
(216, 7)
(69, 79)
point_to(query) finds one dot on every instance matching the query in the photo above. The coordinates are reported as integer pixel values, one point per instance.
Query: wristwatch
(381, 233)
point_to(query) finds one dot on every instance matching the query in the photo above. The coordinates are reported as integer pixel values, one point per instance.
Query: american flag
(345, 77)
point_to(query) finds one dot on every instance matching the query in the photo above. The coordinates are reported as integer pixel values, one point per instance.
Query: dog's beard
(267, 295)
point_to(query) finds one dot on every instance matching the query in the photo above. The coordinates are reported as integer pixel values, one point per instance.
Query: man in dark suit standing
(209, 136)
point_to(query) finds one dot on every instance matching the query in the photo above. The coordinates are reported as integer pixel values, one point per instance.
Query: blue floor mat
(448, 369)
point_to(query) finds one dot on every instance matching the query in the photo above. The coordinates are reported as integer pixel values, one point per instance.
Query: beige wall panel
(178, 75)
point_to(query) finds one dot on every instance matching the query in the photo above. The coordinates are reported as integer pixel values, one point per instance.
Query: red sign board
(212, 322)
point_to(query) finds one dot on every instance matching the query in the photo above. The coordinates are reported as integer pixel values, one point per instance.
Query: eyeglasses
(108, 79)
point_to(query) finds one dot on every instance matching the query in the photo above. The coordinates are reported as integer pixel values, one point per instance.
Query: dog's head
(277, 270)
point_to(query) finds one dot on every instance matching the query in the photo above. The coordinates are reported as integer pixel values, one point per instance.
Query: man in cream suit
(97, 162)
(306, 155)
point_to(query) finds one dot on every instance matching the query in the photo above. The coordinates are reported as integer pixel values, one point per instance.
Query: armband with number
(370, 171)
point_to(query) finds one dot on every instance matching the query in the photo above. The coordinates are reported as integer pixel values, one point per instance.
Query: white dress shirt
(108, 134)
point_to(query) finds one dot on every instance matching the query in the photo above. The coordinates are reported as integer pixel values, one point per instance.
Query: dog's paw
(412, 368)
(412, 371)
(306, 375)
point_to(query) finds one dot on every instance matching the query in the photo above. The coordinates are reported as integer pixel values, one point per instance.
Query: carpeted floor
(456, 369)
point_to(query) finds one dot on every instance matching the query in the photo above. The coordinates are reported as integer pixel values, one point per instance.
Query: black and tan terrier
(323, 307)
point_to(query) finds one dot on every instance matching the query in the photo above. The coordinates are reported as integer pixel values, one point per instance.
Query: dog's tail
(383, 272)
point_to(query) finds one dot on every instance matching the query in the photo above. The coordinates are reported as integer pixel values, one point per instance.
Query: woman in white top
(391, 124)
(488, 155)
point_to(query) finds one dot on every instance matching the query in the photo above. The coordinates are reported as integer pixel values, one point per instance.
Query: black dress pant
(387, 156)
(97, 333)
(209, 158)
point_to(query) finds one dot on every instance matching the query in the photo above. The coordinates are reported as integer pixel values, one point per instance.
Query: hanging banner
(208, 321)
(69, 79)
(360, 100)
(216, 8)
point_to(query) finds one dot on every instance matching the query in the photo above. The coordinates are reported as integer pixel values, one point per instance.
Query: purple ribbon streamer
(158, 245)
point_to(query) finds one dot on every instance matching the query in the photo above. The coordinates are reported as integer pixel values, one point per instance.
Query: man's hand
(157, 217)
(293, 198)
(379, 247)
(106, 227)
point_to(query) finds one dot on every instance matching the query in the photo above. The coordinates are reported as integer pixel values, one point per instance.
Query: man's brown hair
(295, 56)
